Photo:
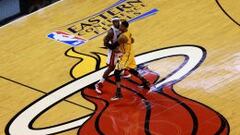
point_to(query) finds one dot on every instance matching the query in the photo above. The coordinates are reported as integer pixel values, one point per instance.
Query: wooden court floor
(34, 67)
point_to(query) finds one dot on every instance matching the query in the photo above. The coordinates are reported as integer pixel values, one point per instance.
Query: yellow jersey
(126, 47)
(127, 60)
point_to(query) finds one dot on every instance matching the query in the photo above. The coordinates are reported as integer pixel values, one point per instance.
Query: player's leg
(108, 71)
(118, 93)
(145, 83)
(99, 85)
(132, 66)
(120, 66)
(111, 62)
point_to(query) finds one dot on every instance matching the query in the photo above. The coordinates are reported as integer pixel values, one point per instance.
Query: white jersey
(113, 57)
(116, 33)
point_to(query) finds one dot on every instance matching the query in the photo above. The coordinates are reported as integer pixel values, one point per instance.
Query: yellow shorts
(125, 62)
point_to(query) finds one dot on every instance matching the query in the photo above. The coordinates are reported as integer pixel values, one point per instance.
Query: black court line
(97, 126)
(147, 107)
(97, 59)
(190, 111)
(224, 122)
(10, 80)
(225, 12)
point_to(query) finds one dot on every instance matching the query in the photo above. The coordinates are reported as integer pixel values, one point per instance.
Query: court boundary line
(40, 91)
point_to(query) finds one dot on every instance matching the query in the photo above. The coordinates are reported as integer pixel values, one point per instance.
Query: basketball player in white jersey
(110, 41)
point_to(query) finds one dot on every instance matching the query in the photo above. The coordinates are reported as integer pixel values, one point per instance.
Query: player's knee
(117, 74)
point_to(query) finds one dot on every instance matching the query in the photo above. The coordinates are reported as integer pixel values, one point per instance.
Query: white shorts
(113, 57)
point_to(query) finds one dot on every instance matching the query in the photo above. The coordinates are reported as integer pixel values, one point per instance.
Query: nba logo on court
(66, 38)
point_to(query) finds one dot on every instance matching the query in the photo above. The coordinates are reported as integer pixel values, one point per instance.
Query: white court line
(25, 16)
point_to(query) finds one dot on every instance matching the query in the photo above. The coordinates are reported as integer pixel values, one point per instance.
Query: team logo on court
(66, 38)
(161, 111)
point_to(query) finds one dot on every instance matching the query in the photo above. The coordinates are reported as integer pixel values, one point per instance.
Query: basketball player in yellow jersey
(127, 60)
(110, 41)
